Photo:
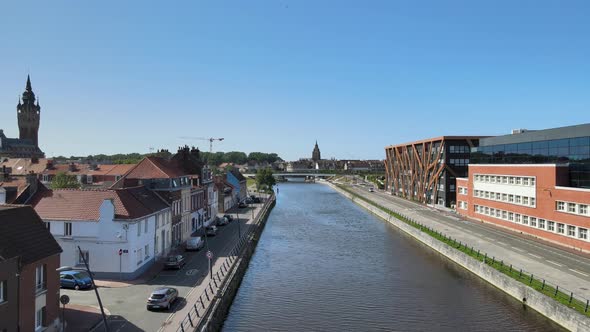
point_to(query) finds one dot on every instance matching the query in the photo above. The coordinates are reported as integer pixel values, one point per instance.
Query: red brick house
(29, 282)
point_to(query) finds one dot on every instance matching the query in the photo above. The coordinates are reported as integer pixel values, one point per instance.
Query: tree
(63, 180)
(264, 179)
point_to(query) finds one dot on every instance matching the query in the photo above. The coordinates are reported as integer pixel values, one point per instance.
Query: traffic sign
(209, 254)
(64, 299)
(120, 252)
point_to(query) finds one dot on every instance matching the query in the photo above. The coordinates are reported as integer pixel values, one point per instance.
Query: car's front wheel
(77, 287)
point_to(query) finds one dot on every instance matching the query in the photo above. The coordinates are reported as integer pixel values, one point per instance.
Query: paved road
(559, 266)
(127, 304)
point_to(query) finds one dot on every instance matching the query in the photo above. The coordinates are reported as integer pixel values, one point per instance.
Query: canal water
(325, 264)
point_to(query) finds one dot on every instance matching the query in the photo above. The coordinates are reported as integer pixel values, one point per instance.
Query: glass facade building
(565, 145)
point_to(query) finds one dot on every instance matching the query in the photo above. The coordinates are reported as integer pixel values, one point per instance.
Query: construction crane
(210, 139)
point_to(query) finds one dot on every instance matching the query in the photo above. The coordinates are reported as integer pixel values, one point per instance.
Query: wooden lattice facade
(425, 170)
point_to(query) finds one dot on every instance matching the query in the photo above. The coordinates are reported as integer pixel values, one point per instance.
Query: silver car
(162, 298)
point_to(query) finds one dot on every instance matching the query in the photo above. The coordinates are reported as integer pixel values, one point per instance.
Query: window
(525, 181)
(504, 197)
(157, 221)
(145, 226)
(40, 278)
(583, 209)
(542, 223)
(504, 215)
(510, 216)
(48, 226)
(3, 291)
(560, 228)
(147, 251)
(139, 256)
(510, 198)
(504, 179)
(517, 218)
(560, 206)
(582, 233)
(139, 229)
(571, 230)
(532, 201)
(39, 318)
(487, 194)
(525, 200)
(519, 180)
(571, 207)
(83, 256)
(511, 180)
(67, 228)
(517, 199)
(533, 222)
(550, 226)
(525, 220)
(533, 182)
(498, 196)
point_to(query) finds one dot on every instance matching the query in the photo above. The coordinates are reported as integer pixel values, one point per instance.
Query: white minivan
(194, 243)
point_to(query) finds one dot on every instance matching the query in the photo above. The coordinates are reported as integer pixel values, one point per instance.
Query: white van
(194, 243)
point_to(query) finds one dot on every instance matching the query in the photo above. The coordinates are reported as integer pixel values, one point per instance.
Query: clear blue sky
(274, 76)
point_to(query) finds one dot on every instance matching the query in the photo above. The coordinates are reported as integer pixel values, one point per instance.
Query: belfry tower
(315, 155)
(28, 114)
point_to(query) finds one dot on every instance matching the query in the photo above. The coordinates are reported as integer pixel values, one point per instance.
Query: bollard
(215, 281)
(531, 280)
(502, 263)
(207, 294)
(218, 276)
(200, 298)
(571, 297)
(190, 319)
(556, 290)
(196, 310)
(543, 287)
(520, 274)
(478, 253)
(485, 257)
(511, 268)
(493, 260)
(181, 326)
(587, 302)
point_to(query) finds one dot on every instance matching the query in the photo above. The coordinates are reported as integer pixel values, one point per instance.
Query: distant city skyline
(277, 76)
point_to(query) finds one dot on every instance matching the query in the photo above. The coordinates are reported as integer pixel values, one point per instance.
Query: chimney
(49, 164)
(34, 160)
(72, 167)
(32, 182)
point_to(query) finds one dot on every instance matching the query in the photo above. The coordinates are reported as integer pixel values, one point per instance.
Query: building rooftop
(581, 130)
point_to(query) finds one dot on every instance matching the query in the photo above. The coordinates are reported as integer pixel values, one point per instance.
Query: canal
(325, 264)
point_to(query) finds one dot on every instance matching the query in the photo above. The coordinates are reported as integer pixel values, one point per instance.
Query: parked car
(256, 200)
(194, 243)
(249, 200)
(74, 279)
(222, 221)
(211, 231)
(371, 189)
(229, 217)
(162, 298)
(174, 262)
(242, 205)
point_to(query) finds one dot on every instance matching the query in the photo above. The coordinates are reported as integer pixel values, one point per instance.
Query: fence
(200, 307)
(560, 294)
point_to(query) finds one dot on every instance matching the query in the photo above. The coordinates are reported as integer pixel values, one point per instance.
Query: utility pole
(104, 317)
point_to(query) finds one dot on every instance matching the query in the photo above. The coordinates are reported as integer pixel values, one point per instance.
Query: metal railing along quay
(553, 290)
(200, 308)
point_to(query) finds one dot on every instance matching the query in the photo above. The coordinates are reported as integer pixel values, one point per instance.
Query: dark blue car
(74, 279)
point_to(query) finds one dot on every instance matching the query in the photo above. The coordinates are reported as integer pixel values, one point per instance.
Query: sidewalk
(81, 317)
(558, 266)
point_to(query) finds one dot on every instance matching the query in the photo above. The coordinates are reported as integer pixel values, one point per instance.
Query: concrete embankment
(215, 315)
(559, 313)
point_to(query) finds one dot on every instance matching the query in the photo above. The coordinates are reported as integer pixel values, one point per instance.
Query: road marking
(582, 273)
(489, 239)
(502, 243)
(552, 262)
(536, 256)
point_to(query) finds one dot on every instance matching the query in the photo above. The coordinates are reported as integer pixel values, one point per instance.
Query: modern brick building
(534, 182)
(425, 170)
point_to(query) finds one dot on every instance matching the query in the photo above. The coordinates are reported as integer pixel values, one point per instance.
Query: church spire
(29, 88)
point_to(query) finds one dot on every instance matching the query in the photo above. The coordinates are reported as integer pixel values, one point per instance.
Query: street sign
(209, 254)
(64, 299)
(120, 252)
